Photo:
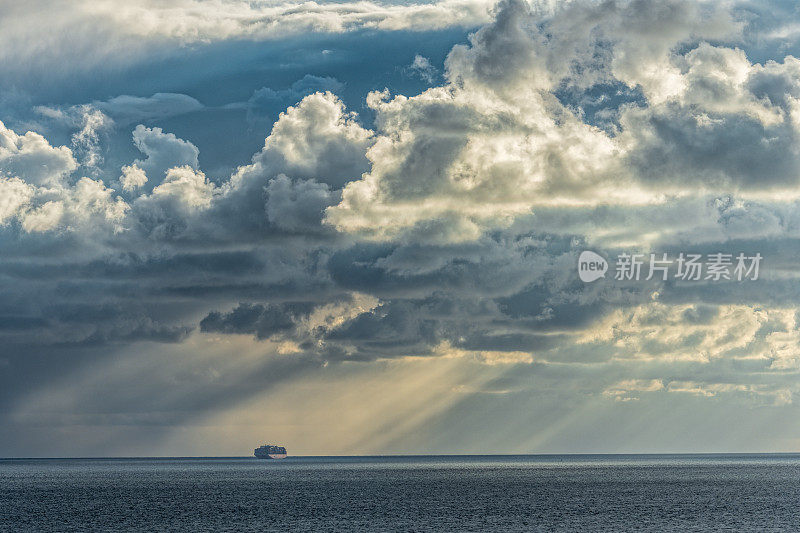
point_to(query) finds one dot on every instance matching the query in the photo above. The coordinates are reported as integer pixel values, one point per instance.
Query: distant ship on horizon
(270, 451)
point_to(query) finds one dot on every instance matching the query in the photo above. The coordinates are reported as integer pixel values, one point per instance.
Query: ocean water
(417, 493)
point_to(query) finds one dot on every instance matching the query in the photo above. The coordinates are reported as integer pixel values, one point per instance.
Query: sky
(356, 227)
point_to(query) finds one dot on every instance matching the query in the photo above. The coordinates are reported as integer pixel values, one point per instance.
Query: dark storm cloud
(263, 321)
(730, 150)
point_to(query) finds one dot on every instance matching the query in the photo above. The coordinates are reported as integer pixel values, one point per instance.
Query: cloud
(494, 141)
(266, 101)
(163, 151)
(189, 189)
(192, 21)
(36, 191)
(316, 139)
(31, 158)
(422, 68)
(708, 390)
(144, 27)
(298, 206)
(14, 194)
(623, 391)
(631, 390)
(259, 320)
(299, 327)
(126, 109)
(88, 203)
(720, 129)
(183, 195)
(444, 225)
(92, 123)
(132, 177)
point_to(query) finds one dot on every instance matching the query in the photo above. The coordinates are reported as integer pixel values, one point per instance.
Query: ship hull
(272, 456)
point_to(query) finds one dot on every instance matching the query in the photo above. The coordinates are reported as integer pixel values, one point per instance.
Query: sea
(404, 493)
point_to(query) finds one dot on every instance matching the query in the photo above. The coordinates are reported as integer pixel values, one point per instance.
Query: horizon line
(549, 454)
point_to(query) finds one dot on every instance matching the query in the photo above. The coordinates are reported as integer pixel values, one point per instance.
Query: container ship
(269, 451)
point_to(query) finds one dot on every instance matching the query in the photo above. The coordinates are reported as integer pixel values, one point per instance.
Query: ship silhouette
(270, 451)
